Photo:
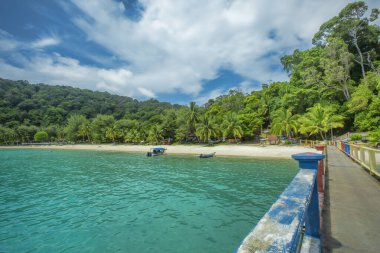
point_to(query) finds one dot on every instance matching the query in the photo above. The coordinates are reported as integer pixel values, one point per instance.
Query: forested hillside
(27, 108)
(333, 85)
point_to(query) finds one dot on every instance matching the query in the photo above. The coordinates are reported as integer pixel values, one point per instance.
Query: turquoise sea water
(88, 201)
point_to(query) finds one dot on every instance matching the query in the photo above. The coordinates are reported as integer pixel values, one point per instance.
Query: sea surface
(92, 201)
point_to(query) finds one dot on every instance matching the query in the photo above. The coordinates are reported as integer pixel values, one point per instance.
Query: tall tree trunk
(374, 69)
(346, 92)
(354, 34)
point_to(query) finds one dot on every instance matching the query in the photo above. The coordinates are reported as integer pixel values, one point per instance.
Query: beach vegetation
(7, 135)
(232, 126)
(41, 136)
(207, 128)
(284, 123)
(74, 127)
(155, 135)
(374, 136)
(335, 84)
(26, 133)
(101, 126)
(319, 120)
(356, 137)
(192, 117)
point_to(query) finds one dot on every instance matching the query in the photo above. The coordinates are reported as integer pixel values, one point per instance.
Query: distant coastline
(269, 151)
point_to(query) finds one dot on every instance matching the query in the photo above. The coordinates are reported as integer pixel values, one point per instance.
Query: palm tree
(135, 136)
(85, 130)
(206, 128)
(112, 132)
(143, 136)
(193, 117)
(284, 122)
(318, 120)
(128, 135)
(232, 126)
(72, 128)
(155, 134)
(265, 102)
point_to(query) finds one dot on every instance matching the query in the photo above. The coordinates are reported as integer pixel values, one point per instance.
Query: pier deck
(351, 214)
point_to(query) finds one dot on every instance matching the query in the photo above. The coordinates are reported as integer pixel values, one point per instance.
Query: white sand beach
(272, 151)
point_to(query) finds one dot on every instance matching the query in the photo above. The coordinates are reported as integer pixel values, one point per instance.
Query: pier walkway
(351, 213)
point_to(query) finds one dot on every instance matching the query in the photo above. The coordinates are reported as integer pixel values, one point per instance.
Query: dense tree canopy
(333, 85)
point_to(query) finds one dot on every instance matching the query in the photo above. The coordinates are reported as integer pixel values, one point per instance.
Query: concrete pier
(351, 213)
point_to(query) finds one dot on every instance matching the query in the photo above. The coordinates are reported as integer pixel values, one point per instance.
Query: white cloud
(45, 42)
(177, 45)
(147, 92)
(7, 43)
(58, 70)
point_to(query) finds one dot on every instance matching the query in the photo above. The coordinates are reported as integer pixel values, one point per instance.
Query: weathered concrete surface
(352, 207)
(311, 245)
(280, 228)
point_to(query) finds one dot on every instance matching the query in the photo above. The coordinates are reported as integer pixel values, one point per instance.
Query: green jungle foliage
(41, 136)
(356, 137)
(333, 85)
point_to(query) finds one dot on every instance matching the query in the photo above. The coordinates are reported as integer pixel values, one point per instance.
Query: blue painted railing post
(347, 148)
(312, 223)
(280, 230)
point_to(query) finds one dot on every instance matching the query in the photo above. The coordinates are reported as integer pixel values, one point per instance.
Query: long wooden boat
(156, 151)
(207, 155)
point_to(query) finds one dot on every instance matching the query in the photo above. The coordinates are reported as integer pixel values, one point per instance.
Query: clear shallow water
(87, 201)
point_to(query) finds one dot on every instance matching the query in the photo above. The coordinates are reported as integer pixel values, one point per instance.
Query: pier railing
(292, 223)
(309, 143)
(367, 157)
(313, 143)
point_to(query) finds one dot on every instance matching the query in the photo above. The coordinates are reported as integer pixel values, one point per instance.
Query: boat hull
(207, 155)
(150, 154)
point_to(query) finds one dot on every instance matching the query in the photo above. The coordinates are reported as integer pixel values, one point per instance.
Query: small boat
(156, 151)
(207, 155)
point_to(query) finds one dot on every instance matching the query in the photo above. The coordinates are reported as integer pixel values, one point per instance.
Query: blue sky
(176, 51)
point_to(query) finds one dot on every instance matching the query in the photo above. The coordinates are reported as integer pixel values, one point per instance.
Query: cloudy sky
(172, 50)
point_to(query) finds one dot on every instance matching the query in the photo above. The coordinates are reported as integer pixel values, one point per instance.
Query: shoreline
(236, 150)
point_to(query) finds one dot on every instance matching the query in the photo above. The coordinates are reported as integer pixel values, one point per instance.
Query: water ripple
(82, 201)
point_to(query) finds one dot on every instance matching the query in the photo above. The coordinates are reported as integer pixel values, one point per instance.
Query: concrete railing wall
(292, 224)
(367, 157)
